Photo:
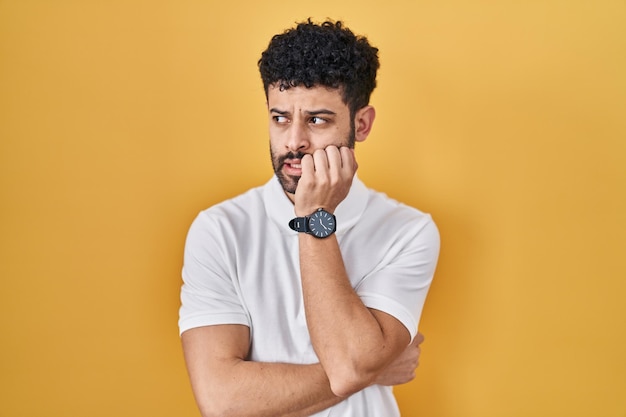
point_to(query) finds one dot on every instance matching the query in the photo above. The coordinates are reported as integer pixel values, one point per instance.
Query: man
(302, 297)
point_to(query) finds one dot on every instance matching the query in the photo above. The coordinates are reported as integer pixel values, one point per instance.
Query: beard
(290, 182)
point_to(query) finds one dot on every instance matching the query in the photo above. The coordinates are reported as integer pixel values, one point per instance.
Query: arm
(225, 384)
(354, 344)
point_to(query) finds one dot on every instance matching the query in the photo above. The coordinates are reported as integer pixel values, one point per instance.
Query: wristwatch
(320, 224)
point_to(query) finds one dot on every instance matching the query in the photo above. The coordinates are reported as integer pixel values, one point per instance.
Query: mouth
(292, 167)
(289, 164)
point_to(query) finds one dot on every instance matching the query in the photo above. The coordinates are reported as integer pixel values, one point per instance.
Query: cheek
(274, 145)
(276, 136)
(276, 150)
(340, 135)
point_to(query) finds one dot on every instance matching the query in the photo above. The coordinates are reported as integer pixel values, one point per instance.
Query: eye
(317, 120)
(280, 119)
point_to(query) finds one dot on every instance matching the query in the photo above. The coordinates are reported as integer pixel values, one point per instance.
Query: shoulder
(396, 226)
(237, 208)
(393, 212)
(226, 217)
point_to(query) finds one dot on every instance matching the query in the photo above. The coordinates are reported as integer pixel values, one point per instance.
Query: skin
(356, 346)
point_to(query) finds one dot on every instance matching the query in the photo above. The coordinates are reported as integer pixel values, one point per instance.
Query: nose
(298, 137)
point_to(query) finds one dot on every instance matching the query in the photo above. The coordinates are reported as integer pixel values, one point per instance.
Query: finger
(308, 166)
(417, 340)
(334, 159)
(348, 160)
(321, 165)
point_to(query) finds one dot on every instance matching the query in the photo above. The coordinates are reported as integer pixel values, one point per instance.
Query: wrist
(320, 223)
(309, 210)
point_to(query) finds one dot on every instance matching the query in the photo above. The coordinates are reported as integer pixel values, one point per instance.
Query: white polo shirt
(241, 266)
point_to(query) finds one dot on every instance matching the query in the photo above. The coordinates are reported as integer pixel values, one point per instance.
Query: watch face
(322, 224)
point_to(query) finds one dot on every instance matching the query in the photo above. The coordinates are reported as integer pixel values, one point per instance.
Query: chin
(288, 183)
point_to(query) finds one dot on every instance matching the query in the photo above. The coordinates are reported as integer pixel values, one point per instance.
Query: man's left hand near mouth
(326, 179)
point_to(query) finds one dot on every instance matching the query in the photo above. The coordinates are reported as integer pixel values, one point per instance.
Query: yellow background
(120, 120)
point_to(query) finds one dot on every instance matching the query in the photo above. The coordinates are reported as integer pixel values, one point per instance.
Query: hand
(402, 369)
(326, 179)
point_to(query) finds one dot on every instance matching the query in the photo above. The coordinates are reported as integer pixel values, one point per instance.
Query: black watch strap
(299, 224)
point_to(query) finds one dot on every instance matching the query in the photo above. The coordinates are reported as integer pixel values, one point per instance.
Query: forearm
(348, 338)
(271, 389)
(231, 386)
(354, 344)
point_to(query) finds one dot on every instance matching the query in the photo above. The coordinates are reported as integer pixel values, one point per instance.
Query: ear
(363, 121)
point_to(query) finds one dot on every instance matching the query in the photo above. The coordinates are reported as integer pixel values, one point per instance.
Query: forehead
(304, 98)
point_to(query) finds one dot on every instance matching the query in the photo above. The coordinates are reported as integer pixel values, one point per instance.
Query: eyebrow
(308, 112)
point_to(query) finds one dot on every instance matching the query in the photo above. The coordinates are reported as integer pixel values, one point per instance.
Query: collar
(281, 210)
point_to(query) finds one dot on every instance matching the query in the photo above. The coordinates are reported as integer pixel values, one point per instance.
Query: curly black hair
(326, 54)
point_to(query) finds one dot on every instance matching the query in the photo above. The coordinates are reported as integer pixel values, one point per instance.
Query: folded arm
(354, 344)
(225, 384)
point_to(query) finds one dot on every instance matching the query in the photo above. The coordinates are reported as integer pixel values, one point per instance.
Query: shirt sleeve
(399, 285)
(209, 294)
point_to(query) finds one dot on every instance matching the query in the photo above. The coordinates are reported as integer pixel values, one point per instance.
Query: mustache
(290, 155)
